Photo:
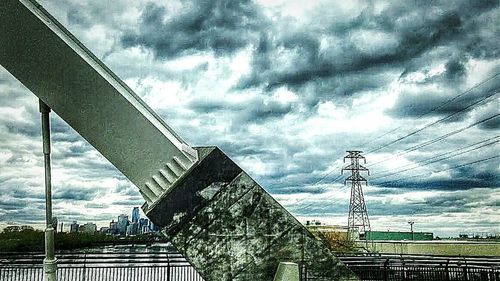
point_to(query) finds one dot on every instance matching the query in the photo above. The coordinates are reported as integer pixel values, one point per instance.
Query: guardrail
(164, 266)
(101, 273)
(417, 267)
(156, 266)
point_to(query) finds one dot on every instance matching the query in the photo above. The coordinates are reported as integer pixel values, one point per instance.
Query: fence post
(301, 271)
(466, 274)
(386, 265)
(84, 267)
(403, 270)
(447, 270)
(168, 267)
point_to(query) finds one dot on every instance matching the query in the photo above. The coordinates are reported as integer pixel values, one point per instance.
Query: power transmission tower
(358, 215)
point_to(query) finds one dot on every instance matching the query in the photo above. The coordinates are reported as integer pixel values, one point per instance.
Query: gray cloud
(490, 110)
(220, 26)
(413, 33)
(72, 194)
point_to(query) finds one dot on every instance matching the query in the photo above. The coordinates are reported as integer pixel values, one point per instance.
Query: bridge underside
(230, 228)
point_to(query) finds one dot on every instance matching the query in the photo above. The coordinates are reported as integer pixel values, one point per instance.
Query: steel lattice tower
(358, 215)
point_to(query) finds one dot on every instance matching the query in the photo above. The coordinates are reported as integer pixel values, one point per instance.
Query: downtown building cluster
(122, 226)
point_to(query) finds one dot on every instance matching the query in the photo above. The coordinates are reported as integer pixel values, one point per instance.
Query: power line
(433, 123)
(444, 170)
(443, 156)
(421, 115)
(305, 207)
(424, 144)
(327, 174)
(445, 153)
(447, 102)
(321, 190)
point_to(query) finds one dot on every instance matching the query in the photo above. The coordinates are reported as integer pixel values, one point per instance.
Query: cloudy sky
(285, 88)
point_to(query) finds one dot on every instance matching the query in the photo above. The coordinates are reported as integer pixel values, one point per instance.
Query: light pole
(411, 229)
(50, 262)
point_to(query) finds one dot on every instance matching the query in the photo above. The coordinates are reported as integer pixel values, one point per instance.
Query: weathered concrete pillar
(229, 228)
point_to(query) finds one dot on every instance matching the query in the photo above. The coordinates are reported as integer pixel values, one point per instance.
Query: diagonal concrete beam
(66, 76)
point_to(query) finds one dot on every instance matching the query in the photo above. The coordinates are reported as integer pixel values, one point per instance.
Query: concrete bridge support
(230, 228)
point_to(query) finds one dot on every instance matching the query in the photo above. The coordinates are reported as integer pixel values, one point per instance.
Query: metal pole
(50, 262)
(411, 229)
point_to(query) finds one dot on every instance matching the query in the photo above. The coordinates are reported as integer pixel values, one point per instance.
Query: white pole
(50, 262)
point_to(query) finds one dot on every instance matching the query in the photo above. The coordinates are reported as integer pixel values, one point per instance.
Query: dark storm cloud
(494, 123)
(26, 129)
(458, 202)
(125, 188)
(28, 215)
(222, 26)
(322, 209)
(455, 68)
(444, 202)
(75, 193)
(130, 201)
(418, 29)
(79, 17)
(445, 103)
(16, 189)
(462, 179)
(255, 110)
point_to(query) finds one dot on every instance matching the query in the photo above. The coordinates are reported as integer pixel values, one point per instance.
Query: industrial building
(398, 235)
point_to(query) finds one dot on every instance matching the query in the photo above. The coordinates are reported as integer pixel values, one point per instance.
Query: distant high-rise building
(104, 230)
(146, 225)
(54, 224)
(143, 225)
(89, 228)
(132, 229)
(113, 224)
(135, 215)
(142, 221)
(129, 230)
(145, 229)
(74, 227)
(113, 227)
(122, 224)
(153, 227)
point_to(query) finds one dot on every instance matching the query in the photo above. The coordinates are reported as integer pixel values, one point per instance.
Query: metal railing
(156, 266)
(109, 273)
(416, 267)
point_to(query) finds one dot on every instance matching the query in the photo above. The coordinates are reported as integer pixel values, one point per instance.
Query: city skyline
(285, 90)
(67, 224)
